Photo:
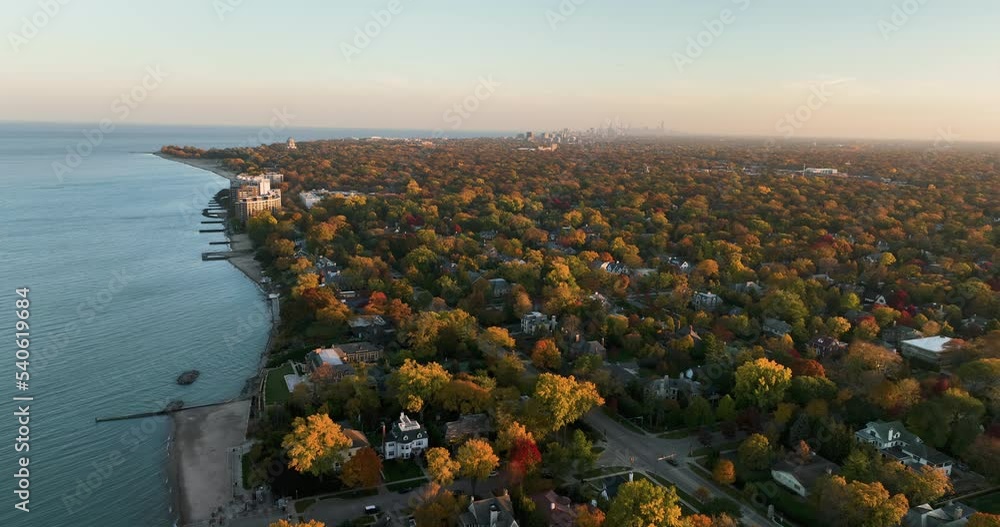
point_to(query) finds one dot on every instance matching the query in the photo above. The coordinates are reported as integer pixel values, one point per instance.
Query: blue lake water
(121, 303)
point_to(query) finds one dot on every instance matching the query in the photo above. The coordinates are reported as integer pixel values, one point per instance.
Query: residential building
(827, 346)
(368, 326)
(748, 288)
(534, 323)
(473, 425)
(330, 357)
(558, 510)
(895, 335)
(617, 268)
(358, 352)
(949, 515)
(800, 477)
(932, 350)
(358, 442)
(585, 347)
(668, 388)
(406, 439)
(706, 301)
(893, 440)
(496, 511)
(777, 328)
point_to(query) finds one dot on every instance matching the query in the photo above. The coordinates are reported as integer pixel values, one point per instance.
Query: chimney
(494, 514)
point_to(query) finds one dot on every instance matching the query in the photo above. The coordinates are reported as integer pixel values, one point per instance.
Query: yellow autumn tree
(315, 445)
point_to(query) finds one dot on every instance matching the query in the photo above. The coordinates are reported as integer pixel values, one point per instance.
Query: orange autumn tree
(363, 470)
(315, 445)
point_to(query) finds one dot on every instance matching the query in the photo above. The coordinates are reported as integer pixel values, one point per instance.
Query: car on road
(372, 509)
(673, 461)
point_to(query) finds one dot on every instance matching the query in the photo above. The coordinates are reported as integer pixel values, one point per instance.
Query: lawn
(302, 505)
(275, 390)
(406, 485)
(247, 466)
(988, 503)
(400, 469)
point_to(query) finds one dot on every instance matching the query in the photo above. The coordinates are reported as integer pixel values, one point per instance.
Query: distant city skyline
(879, 69)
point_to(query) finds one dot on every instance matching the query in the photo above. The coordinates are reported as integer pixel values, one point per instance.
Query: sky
(902, 69)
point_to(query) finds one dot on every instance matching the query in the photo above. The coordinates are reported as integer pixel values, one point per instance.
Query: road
(624, 445)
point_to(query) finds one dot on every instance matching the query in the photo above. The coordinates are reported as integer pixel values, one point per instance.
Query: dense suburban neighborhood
(472, 334)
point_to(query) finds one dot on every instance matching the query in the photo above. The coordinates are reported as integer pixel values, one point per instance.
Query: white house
(800, 478)
(927, 349)
(406, 439)
(893, 440)
(534, 323)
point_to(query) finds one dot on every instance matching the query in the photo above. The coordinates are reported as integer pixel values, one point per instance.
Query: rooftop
(934, 344)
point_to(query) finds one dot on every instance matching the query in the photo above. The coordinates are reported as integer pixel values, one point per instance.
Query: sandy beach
(211, 165)
(203, 438)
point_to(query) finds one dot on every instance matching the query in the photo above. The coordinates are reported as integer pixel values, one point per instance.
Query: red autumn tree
(524, 457)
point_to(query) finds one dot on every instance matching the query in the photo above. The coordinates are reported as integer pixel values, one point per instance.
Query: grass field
(275, 390)
(399, 469)
(988, 503)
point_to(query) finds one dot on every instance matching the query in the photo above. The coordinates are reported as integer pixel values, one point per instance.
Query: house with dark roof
(558, 510)
(406, 439)
(893, 440)
(706, 301)
(587, 347)
(496, 511)
(801, 477)
(827, 346)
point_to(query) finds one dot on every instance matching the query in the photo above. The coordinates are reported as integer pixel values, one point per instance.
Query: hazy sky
(934, 71)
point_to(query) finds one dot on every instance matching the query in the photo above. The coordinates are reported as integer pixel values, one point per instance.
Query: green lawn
(988, 503)
(407, 485)
(275, 390)
(400, 469)
(247, 465)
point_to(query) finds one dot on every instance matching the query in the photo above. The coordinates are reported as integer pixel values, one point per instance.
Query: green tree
(560, 400)
(416, 383)
(762, 383)
(699, 412)
(726, 410)
(477, 459)
(754, 453)
(643, 504)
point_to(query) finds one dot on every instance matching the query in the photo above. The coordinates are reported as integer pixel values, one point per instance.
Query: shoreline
(195, 453)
